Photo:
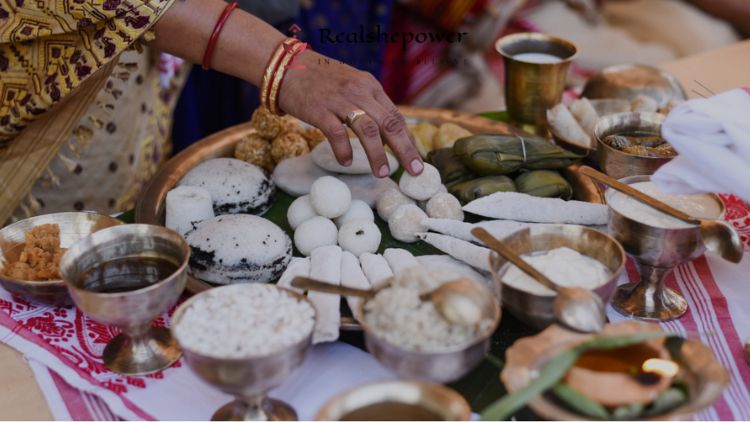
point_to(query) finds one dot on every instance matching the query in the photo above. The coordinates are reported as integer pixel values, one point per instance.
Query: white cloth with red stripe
(712, 137)
(64, 349)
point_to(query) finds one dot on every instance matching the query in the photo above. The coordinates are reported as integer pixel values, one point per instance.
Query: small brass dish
(536, 310)
(619, 164)
(74, 226)
(627, 81)
(705, 378)
(396, 401)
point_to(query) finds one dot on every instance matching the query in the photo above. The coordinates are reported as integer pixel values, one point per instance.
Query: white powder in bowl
(244, 321)
(398, 316)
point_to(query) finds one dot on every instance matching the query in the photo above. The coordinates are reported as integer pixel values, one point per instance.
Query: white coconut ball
(300, 211)
(444, 205)
(330, 197)
(406, 222)
(423, 186)
(358, 210)
(359, 236)
(314, 233)
(389, 201)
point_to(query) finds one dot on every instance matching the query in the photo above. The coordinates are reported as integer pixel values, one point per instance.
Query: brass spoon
(718, 236)
(458, 301)
(576, 308)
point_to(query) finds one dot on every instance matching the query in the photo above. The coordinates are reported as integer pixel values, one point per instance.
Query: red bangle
(215, 34)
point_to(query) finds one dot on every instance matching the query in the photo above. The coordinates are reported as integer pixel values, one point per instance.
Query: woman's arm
(316, 90)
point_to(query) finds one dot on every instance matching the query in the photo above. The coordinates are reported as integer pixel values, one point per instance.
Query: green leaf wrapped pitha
(504, 154)
(452, 169)
(544, 183)
(483, 186)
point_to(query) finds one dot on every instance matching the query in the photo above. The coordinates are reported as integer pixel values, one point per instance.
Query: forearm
(736, 12)
(242, 50)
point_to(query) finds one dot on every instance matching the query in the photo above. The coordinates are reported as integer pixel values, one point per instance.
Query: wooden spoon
(575, 307)
(718, 236)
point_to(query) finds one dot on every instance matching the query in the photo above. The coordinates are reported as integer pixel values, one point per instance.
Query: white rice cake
(323, 156)
(298, 267)
(523, 207)
(353, 276)
(399, 259)
(325, 265)
(376, 269)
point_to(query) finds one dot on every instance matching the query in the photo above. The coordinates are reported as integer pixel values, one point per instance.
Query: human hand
(322, 91)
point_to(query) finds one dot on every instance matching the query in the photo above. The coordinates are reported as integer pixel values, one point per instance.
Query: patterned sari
(83, 116)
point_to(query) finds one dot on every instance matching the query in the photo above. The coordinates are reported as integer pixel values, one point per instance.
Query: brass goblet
(532, 84)
(656, 251)
(129, 296)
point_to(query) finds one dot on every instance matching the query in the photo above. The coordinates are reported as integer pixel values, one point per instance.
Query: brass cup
(140, 348)
(385, 400)
(619, 164)
(248, 379)
(656, 251)
(535, 310)
(533, 88)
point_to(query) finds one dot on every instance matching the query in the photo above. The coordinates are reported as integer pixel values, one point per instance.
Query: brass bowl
(627, 81)
(705, 377)
(441, 367)
(619, 164)
(140, 348)
(603, 108)
(388, 401)
(74, 226)
(248, 379)
(536, 310)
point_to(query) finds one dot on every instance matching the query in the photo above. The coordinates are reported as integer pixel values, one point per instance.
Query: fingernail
(347, 162)
(417, 166)
(384, 170)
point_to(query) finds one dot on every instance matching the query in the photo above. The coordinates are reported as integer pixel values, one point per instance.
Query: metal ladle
(576, 308)
(458, 301)
(718, 236)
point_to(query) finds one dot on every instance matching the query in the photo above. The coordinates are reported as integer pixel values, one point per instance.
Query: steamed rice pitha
(237, 249)
(236, 187)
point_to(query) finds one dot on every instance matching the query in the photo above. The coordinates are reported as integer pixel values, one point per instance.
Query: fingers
(338, 137)
(369, 134)
(393, 128)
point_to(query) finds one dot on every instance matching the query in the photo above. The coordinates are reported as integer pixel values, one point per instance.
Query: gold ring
(353, 115)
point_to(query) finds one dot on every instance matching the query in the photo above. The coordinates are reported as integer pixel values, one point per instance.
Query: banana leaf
(483, 186)
(452, 169)
(504, 154)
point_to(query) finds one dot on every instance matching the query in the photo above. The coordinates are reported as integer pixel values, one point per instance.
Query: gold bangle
(278, 77)
(273, 61)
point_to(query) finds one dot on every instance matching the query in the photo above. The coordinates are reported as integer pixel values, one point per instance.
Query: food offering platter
(150, 209)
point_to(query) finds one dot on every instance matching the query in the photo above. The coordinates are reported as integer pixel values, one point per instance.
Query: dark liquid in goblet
(126, 274)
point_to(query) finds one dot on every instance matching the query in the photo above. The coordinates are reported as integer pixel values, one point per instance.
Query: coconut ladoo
(504, 154)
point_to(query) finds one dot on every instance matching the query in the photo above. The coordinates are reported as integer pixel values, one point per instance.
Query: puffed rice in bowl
(410, 336)
(243, 321)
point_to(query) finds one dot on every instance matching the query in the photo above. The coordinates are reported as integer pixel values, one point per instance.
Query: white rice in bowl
(244, 321)
(398, 316)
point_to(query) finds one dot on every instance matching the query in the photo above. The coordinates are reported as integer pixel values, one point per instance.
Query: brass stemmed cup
(657, 251)
(133, 301)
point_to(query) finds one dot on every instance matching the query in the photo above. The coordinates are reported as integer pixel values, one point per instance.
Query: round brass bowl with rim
(627, 81)
(704, 376)
(441, 366)
(619, 164)
(74, 226)
(396, 400)
(536, 310)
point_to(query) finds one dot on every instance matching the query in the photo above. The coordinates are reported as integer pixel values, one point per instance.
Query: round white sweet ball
(359, 236)
(300, 211)
(406, 222)
(444, 205)
(358, 210)
(314, 233)
(389, 201)
(423, 186)
(330, 197)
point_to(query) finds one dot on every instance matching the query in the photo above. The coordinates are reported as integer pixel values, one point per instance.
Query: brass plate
(151, 204)
(705, 377)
